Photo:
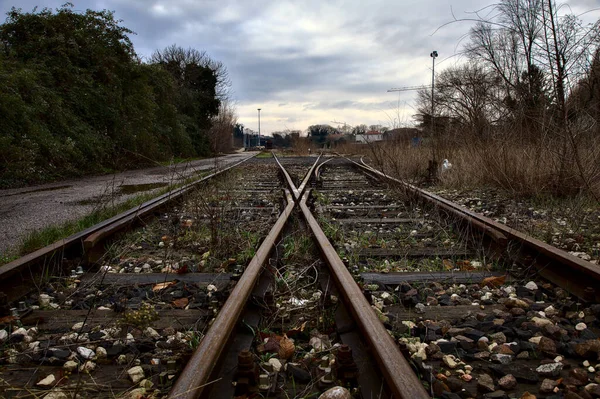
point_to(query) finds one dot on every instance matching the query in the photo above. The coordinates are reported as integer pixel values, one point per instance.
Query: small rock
(548, 385)
(136, 374)
(87, 367)
(47, 382)
(507, 382)
(137, 393)
(450, 361)
(101, 353)
(550, 369)
(3, 335)
(71, 365)
(336, 393)
(540, 322)
(44, 299)
(152, 333)
(531, 286)
(420, 308)
(580, 326)
(85, 352)
(56, 394)
(276, 364)
(77, 326)
(485, 383)
(527, 395)
(547, 345)
(501, 358)
(146, 384)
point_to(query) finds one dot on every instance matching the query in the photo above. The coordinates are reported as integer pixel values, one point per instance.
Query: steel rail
(48, 251)
(398, 374)
(300, 190)
(197, 371)
(554, 274)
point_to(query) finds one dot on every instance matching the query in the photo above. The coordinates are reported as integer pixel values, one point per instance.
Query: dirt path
(30, 208)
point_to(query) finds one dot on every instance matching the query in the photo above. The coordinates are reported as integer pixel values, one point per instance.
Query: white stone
(591, 369)
(101, 353)
(276, 364)
(531, 286)
(152, 333)
(3, 335)
(580, 326)
(33, 331)
(56, 395)
(136, 374)
(19, 331)
(586, 363)
(77, 326)
(85, 352)
(336, 393)
(122, 359)
(71, 365)
(535, 340)
(550, 311)
(539, 322)
(34, 346)
(558, 359)
(449, 361)
(88, 366)
(147, 384)
(44, 299)
(47, 382)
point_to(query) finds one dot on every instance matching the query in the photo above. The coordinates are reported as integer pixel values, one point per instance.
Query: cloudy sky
(307, 61)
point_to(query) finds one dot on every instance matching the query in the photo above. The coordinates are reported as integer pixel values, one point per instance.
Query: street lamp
(433, 55)
(259, 126)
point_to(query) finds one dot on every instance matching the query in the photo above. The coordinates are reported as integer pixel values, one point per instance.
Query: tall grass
(522, 166)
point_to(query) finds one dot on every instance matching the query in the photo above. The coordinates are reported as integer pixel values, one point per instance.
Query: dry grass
(519, 166)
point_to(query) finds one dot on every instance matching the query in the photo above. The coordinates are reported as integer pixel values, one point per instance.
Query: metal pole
(433, 55)
(259, 126)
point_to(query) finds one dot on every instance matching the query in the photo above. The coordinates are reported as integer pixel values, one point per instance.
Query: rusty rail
(398, 374)
(197, 371)
(121, 220)
(578, 283)
(300, 190)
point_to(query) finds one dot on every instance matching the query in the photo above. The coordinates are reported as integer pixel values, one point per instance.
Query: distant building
(369, 137)
(404, 134)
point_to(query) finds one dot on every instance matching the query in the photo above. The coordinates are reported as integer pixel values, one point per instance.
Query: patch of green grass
(265, 154)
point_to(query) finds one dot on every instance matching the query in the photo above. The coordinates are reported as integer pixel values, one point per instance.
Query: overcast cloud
(311, 61)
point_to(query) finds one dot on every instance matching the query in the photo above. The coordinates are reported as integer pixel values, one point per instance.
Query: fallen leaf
(286, 348)
(162, 286)
(7, 319)
(181, 303)
(494, 281)
(448, 265)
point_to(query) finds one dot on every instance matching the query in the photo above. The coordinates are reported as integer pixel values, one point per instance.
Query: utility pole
(259, 127)
(433, 55)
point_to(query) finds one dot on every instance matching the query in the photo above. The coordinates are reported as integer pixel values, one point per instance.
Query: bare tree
(179, 58)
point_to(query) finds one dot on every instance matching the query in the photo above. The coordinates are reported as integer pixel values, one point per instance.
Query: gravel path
(31, 208)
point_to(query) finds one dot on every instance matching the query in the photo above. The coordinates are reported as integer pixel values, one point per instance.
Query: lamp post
(258, 126)
(433, 55)
(433, 166)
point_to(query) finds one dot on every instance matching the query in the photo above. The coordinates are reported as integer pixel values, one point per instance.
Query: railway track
(311, 276)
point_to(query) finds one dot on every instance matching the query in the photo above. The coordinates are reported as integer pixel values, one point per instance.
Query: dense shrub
(75, 99)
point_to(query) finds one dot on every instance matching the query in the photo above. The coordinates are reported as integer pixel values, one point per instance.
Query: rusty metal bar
(400, 377)
(555, 274)
(297, 191)
(194, 377)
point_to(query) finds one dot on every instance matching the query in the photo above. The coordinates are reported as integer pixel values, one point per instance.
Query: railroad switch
(345, 367)
(246, 375)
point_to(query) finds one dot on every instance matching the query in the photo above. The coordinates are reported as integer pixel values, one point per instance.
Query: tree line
(532, 78)
(77, 99)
